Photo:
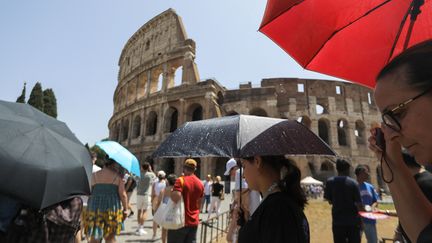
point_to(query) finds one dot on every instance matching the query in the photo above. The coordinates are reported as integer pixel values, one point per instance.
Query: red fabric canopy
(348, 39)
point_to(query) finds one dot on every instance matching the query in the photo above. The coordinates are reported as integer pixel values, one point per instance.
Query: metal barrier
(215, 228)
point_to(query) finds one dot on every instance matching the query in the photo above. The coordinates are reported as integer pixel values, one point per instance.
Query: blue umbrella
(121, 155)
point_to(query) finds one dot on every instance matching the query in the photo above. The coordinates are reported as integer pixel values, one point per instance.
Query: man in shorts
(144, 196)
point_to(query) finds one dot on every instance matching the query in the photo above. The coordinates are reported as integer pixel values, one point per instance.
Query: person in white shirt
(157, 196)
(207, 193)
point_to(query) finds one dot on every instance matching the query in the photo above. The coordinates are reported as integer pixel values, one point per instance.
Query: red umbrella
(348, 39)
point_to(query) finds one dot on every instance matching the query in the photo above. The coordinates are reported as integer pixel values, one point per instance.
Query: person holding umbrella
(279, 217)
(107, 205)
(403, 95)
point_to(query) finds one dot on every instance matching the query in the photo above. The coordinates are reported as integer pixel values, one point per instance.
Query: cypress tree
(21, 98)
(49, 103)
(36, 97)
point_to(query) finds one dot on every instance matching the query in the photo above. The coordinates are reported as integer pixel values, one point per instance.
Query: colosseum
(159, 89)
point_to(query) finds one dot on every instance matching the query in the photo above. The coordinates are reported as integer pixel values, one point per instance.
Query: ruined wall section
(340, 113)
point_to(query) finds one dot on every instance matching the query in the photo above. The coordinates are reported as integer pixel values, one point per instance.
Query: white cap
(229, 165)
(161, 173)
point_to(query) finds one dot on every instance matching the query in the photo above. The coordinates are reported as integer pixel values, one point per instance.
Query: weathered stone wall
(149, 104)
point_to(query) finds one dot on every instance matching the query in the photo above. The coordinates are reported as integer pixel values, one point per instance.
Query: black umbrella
(41, 160)
(242, 136)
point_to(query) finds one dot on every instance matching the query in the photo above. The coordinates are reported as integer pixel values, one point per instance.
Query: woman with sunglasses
(403, 95)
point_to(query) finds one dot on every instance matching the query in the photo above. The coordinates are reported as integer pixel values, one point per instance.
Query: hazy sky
(73, 47)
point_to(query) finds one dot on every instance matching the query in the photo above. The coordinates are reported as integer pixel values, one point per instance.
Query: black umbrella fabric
(42, 162)
(242, 136)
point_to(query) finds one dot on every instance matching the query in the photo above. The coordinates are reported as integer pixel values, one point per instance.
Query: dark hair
(360, 168)
(145, 166)
(342, 166)
(410, 161)
(290, 183)
(418, 61)
(171, 179)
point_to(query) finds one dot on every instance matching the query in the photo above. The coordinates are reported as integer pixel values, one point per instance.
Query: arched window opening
(359, 132)
(342, 128)
(323, 130)
(258, 112)
(151, 124)
(125, 130)
(159, 82)
(136, 127)
(178, 76)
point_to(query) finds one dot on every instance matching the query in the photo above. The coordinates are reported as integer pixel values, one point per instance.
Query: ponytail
(290, 176)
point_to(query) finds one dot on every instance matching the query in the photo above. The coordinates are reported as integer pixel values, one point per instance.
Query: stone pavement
(128, 235)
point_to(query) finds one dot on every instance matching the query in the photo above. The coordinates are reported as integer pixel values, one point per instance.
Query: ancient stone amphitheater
(159, 89)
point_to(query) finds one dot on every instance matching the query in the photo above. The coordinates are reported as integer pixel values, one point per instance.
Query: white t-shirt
(207, 187)
(159, 186)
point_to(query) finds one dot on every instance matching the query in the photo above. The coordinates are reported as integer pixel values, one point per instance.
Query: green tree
(49, 103)
(22, 97)
(36, 97)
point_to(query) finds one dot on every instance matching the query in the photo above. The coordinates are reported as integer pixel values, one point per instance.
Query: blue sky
(73, 47)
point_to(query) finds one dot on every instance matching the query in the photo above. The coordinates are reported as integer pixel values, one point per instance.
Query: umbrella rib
(342, 28)
(399, 31)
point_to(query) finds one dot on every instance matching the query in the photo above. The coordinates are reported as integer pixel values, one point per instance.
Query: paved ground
(128, 235)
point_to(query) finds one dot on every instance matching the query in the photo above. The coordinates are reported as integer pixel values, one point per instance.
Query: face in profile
(414, 118)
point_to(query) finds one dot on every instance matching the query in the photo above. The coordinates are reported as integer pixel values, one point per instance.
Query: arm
(176, 193)
(122, 195)
(128, 184)
(414, 211)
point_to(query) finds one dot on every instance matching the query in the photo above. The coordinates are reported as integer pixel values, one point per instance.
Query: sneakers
(140, 231)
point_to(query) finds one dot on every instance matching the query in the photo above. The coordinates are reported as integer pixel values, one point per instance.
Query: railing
(214, 229)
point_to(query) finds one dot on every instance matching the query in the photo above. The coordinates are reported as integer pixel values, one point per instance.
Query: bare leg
(164, 235)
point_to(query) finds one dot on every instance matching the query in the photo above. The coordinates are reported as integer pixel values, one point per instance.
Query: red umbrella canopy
(348, 39)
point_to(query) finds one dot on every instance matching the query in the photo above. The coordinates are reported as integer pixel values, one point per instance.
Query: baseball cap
(161, 173)
(229, 165)
(190, 163)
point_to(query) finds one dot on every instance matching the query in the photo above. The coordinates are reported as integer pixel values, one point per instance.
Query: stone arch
(320, 109)
(156, 76)
(142, 86)
(131, 91)
(136, 127)
(124, 130)
(258, 112)
(305, 120)
(327, 166)
(171, 120)
(178, 76)
(151, 124)
(324, 130)
(342, 129)
(360, 132)
(195, 112)
(160, 80)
